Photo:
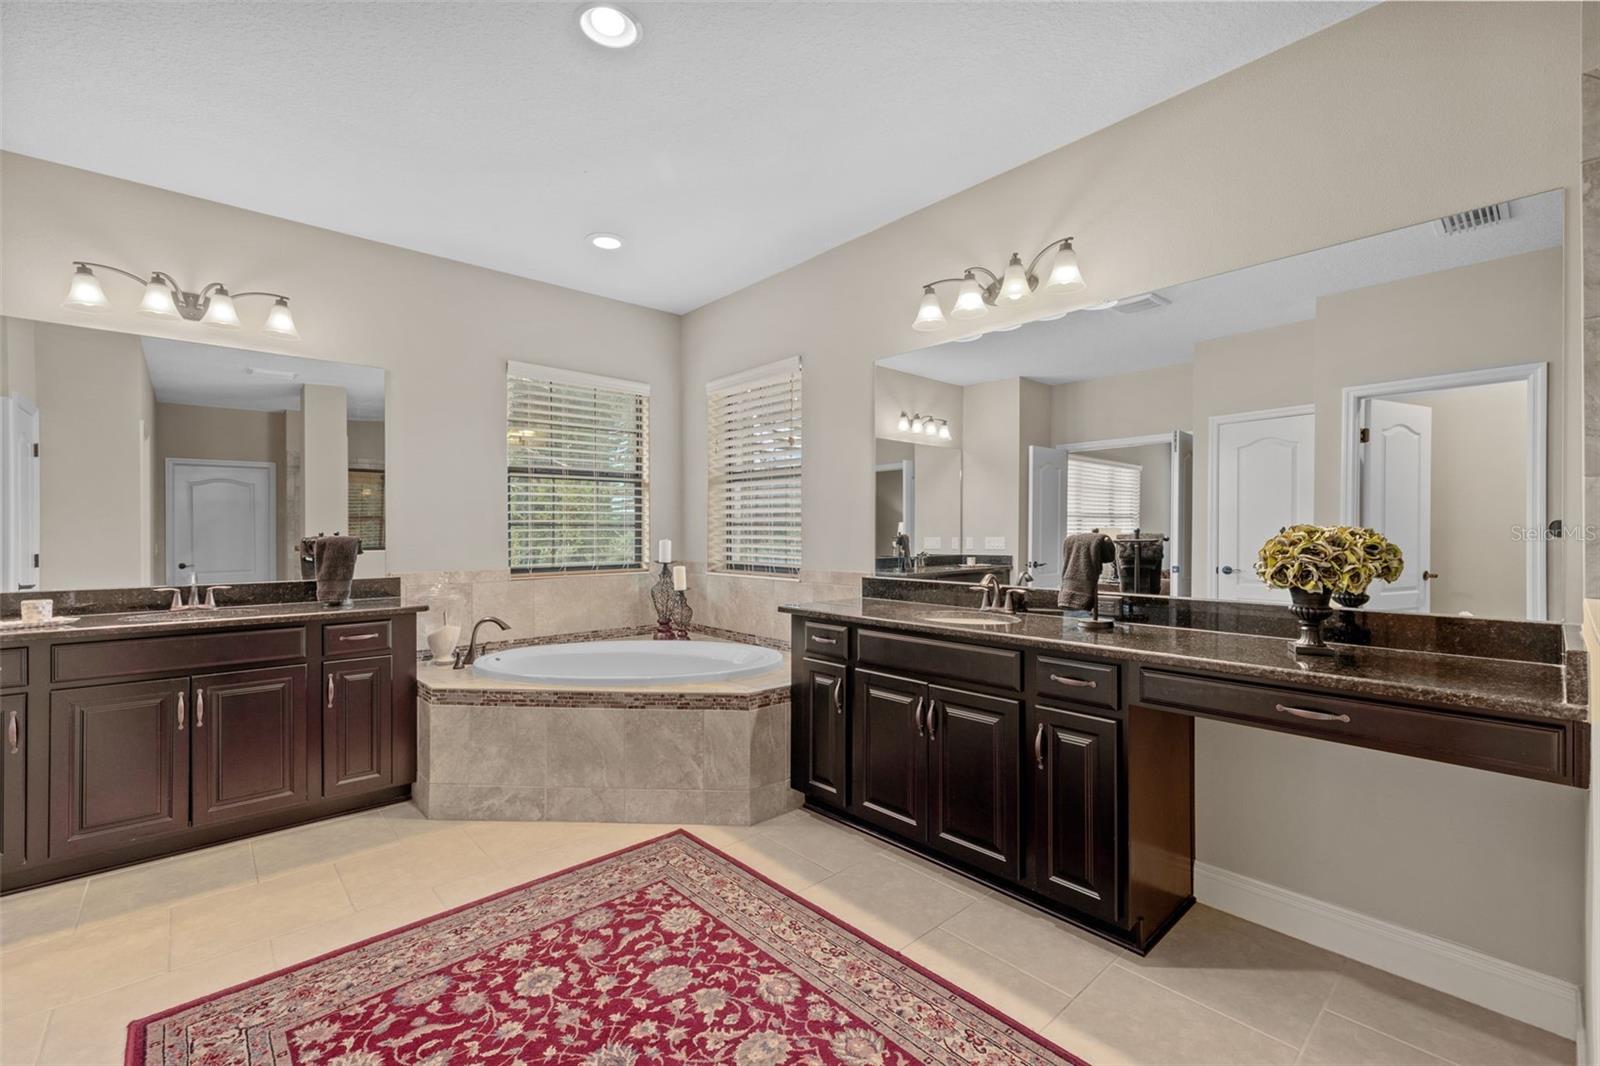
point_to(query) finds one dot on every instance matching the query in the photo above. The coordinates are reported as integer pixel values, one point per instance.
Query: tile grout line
(1206, 1006)
(1391, 1036)
(1110, 961)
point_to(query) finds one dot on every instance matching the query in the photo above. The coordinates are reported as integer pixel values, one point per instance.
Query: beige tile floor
(80, 960)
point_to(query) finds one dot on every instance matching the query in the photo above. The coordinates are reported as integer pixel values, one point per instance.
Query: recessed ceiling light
(609, 26)
(606, 242)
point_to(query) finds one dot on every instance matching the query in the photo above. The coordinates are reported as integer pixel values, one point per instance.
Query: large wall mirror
(135, 461)
(1402, 381)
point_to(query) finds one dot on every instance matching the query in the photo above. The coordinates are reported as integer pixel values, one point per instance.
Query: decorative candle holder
(682, 616)
(661, 597)
(1312, 610)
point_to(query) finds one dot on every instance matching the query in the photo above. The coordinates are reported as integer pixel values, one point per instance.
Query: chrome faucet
(1012, 599)
(990, 587)
(464, 659)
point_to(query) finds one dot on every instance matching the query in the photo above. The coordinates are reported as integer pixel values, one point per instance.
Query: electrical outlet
(994, 544)
(930, 544)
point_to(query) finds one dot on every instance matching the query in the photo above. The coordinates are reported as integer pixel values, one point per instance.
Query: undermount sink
(979, 620)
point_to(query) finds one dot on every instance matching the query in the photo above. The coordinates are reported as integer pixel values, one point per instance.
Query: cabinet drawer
(141, 656)
(826, 641)
(13, 667)
(356, 638)
(995, 667)
(1527, 748)
(1097, 684)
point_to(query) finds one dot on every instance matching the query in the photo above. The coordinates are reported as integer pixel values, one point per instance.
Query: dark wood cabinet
(819, 732)
(13, 780)
(358, 726)
(889, 753)
(119, 765)
(249, 743)
(973, 809)
(1075, 852)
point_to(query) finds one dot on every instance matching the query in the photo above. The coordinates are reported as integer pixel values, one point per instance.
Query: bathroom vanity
(1058, 765)
(127, 737)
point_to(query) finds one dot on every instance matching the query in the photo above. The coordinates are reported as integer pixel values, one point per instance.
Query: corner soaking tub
(608, 663)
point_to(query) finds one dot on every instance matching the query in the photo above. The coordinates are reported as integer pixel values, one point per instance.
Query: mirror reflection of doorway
(1263, 474)
(221, 521)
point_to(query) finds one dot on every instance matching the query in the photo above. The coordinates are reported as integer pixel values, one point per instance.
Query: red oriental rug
(668, 952)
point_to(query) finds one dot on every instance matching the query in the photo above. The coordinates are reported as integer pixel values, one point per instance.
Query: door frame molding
(171, 501)
(1536, 377)
(1214, 426)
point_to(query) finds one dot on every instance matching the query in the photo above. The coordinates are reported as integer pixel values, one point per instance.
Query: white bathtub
(616, 663)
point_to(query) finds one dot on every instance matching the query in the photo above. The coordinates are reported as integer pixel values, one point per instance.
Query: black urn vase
(1312, 610)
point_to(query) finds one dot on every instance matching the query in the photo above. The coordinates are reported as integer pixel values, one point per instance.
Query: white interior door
(221, 522)
(1265, 480)
(1396, 490)
(1182, 514)
(1047, 512)
(19, 495)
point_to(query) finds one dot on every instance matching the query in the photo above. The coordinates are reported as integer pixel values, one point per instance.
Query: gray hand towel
(1082, 556)
(336, 567)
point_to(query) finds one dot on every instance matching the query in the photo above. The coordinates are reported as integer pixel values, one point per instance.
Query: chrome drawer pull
(1038, 746)
(182, 715)
(1073, 682)
(12, 739)
(1315, 716)
(362, 636)
(200, 709)
(838, 695)
(824, 640)
(916, 716)
(933, 709)
(330, 692)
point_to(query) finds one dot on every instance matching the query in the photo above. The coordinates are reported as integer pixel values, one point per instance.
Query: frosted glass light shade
(158, 300)
(85, 293)
(1014, 282)
(220, 311)
(280, 323)
(944, 431)
(904, 425)
(969, 301)
(1064, 273)
(929, 314)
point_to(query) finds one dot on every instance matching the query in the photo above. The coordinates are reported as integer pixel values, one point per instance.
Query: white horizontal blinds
(1102, 494)
(577, 471)
(754, 463)
(366, 508)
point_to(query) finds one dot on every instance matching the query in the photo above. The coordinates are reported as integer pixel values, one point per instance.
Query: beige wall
(443, 329)
(366, 444)
(1400, 114)
(18, 373)
(1127, 405)
(989, 498)
(325, 463)
(96, 407)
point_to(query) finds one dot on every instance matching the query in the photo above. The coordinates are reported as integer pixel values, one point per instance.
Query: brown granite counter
(146, 623)
(1491, 686)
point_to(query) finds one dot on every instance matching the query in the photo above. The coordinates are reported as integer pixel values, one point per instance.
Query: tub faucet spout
(464, 659)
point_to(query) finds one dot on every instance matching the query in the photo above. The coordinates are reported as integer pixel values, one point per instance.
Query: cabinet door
(358, 726)
(249, 743)
(889, 753)
(973, 810)
(1074, 854)
(119, 765)
(13, 780)
(821, 709)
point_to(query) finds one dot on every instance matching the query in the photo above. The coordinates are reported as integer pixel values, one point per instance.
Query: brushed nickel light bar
(165, 298)
(1013, 285)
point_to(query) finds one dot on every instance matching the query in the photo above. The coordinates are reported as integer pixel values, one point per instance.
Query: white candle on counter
(680, 578)
(899, 527)
(664, 551)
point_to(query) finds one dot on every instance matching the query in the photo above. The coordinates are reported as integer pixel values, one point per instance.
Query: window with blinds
(1102, 494)
(366, 508)
(577, 471)
(753, 437)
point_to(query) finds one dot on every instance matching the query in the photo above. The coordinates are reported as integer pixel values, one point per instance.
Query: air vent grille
(1477, 218)
(1134, 305)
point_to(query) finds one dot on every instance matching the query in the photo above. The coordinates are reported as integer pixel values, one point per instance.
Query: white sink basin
(982, 621)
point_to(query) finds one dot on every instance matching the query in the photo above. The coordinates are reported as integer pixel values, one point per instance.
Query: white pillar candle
(664, 551)
(680, 578)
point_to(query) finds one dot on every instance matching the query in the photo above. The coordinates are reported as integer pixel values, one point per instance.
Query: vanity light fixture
(165, 298)
(926, 425)
(1015, 284)
(609, 27)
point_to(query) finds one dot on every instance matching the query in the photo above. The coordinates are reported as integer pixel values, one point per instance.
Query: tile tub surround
(715, 753)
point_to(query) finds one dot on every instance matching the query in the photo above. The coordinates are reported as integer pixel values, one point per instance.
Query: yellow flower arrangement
(1338, 559)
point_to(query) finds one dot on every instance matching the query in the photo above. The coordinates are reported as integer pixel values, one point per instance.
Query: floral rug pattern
(667, 953)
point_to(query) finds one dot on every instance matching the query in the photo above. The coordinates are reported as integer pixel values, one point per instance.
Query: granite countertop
(146, 623)
(1493, 686)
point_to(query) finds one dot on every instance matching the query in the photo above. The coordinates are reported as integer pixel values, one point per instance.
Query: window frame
(640, 477)
(1107, 522)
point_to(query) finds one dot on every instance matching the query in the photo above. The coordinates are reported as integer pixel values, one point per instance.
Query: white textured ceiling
(207, 376)
(1095, 344)
(736, 140)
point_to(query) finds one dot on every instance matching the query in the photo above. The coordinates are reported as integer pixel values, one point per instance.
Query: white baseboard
(1505, 987)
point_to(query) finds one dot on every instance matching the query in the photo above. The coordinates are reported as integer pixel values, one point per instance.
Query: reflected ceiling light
(944, 430)
(609, 26)
(606, 242)
(904, 425)
(84, 293)
(924, 425)
(1014, 285)
(165, 298)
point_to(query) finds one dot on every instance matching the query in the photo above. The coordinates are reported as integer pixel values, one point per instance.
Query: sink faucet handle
(211, 594)
(177, 597)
